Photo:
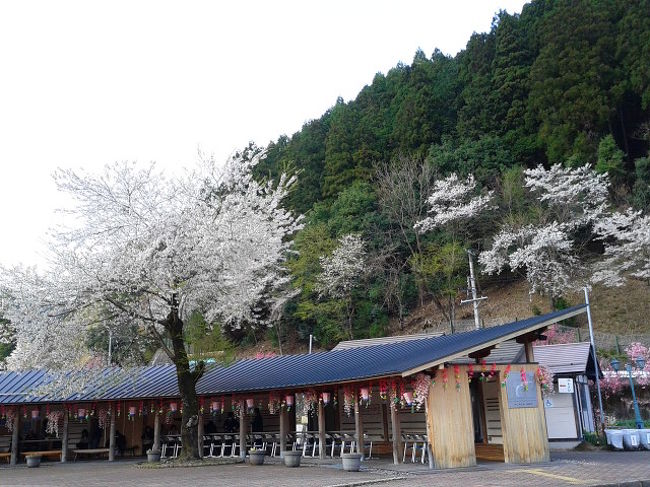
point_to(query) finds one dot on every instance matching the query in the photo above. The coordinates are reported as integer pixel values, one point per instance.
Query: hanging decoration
(493, 370)
(457, 376)
(288, 401)
(365, 395)
(173, 407)
(393, 394)
(132, 412)
(142, 411)
(326, 398)
(470, 372)
(24, 412)
(421, 389)
(118, 407)
(349, 396)
(35, 414)
(11, 416)
(102, 418)
(545, 379)
(310, 400)
(81, 414)
(445, 378)
(383, 389)
(506, 373)
(53, 420)
(524, 378)
(408, 398)
(274, 403)
(250, 405)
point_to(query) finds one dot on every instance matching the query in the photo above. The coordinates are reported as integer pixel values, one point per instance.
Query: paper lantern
(35, 414)
(173, 407)
(250, 403)
(326, 397)
(289, 399)
(132, 411)
(365, 393)
(408, 397)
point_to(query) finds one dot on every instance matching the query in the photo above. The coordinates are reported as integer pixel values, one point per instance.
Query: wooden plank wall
(449, 426)
(524, 429)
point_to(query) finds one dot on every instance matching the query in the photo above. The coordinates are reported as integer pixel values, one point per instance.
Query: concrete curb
(630, 483)
(368, 482)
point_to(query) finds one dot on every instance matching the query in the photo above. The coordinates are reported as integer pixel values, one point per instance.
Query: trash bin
(631, 439)
(645, 438)
(615, 439)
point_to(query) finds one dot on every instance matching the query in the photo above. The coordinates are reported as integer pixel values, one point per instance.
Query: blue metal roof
(274, 373)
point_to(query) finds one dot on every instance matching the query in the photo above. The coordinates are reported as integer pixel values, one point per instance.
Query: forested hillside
(564, 82)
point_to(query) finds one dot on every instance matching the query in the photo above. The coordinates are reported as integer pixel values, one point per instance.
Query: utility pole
(596, 366)
(472, 285)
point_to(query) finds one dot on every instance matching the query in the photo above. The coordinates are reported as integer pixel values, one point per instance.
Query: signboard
(548, 402)
(520, 396)
(565, 386)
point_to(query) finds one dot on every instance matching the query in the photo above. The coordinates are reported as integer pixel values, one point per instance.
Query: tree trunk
(187, 379)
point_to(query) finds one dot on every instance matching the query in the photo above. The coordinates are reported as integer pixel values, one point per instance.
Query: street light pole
(640, 363)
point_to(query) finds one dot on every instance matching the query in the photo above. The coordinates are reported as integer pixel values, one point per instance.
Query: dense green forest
(563, 82)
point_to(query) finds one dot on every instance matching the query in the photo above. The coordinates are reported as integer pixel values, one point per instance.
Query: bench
(6, 455)
(90, 451)
(43, 453)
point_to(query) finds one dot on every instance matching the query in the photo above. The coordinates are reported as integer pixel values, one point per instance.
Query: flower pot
(33, 460)
(351, 462)
(153, 457)
(256, 457)
(292, 458)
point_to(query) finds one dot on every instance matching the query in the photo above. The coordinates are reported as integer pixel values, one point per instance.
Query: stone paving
(565, 469)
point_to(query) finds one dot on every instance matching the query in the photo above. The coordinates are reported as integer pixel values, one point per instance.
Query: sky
(87, 83)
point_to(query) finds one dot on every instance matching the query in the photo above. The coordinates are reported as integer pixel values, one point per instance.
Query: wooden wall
(449, 422)
(524, 429)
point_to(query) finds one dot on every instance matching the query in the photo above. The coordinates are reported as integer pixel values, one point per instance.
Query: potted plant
(292, 458)
(351, 462)
(153, 456)
(256, 456)
(33, 460)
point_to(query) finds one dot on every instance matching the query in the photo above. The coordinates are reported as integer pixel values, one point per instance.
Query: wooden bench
(6, 455)
(90, 451)
(43, 453)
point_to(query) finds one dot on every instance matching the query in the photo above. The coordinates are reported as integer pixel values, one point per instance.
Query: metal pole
(311, 337)
(597, 368)
(637, 413)
(472, 282)
(110, 345)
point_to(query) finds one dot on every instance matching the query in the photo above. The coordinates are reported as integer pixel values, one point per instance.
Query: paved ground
(567, 468)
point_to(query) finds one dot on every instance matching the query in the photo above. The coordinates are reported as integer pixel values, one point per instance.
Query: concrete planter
(351, 462)
(33, 461)
(292, 458)
(256, 457)
(153, 457)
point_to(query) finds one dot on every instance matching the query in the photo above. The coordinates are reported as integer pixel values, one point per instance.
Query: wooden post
(428, 423)
(322, 442)
(200, 434)
(156, 432)
(284, 423)
(358, 424)
(242, 429)
(14, 438)
(111, 436)
(397, 435)
(528, 348)
(64, 438)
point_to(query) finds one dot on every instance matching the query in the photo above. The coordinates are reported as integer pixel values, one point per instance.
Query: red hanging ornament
(493, 370)
(445, 379)
(506, 373)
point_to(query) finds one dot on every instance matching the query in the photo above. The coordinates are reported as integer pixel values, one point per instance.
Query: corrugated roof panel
(285, 372)
(564, 357)
(369, 342)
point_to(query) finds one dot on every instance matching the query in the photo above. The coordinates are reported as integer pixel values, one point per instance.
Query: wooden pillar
(242, 429)
(14, 438)
(64, 438)
(200, 434)
(397, 434)
(528, 348)
(428, 423)
(111, 436)
(156, 432)
(322, 442)
(284, 426)
(358, 423)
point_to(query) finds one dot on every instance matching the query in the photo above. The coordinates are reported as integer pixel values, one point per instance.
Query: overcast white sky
(86, 83)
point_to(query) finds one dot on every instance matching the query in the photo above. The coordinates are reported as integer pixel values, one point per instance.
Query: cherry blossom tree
(343, 272)
(150, 250)
(453, 201)
(570, 202)
(627, 248)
